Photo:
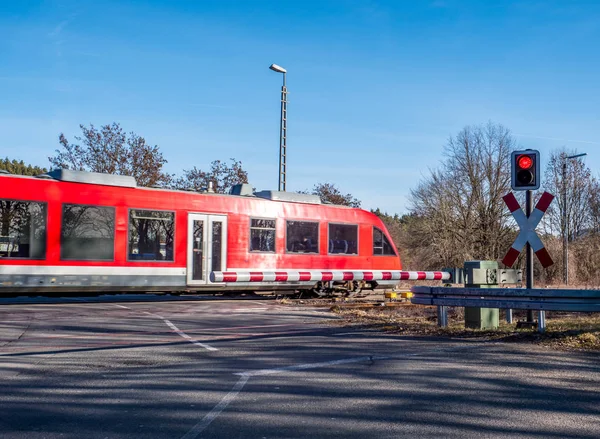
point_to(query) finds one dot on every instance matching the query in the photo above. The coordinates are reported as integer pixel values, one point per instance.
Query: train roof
(102, 179)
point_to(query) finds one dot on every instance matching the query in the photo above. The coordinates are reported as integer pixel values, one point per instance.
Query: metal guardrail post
(442, 316)
(456, 277)
(542, 322)
(509, 316)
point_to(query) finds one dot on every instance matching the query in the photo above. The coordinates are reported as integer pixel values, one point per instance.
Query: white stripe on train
(85, 270)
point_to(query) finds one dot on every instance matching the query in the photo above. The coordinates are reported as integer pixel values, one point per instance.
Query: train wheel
(354, 289)
(322, 290)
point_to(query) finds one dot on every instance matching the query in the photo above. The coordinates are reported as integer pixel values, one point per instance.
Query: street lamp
(565, 219)
(282, 129)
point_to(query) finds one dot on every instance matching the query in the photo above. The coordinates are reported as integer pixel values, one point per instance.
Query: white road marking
(245, 376)
(177, 330)
(212, 415)
(261, 372)
(235, 328)
(187, 337)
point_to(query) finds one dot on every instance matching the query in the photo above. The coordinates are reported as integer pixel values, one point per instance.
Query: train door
(207, 247)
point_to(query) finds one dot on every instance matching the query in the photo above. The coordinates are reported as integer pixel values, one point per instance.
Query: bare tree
(595, 207)
(329, 193)
(579, 187)
(458, 209)
(111, 150)
(572, 180)
(222, 175)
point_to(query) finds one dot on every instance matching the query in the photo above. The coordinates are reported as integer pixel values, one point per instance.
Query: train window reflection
(151, 234)
(22, 229)
(302, 237)
(217, 245)
(381, 245)
(343, 239)
(262, 235)
(88, 233)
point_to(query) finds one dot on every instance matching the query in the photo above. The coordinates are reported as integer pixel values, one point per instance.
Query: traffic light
(525, 170)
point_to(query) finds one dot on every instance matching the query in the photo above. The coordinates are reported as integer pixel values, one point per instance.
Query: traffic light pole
(526, 175)
(529, 252)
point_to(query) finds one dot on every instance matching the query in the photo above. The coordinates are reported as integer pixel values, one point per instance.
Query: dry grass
(564, 331)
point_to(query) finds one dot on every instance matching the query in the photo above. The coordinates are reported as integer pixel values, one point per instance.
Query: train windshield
(381, 245)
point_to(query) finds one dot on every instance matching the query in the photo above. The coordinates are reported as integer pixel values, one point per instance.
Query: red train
(82, 231)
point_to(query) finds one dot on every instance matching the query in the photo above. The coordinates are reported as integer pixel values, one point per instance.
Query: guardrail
(507, 298)
(510, 298)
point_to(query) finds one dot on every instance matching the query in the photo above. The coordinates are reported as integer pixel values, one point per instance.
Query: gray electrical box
(481, 274)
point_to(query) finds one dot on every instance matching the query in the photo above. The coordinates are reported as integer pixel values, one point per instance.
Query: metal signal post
(529, 253)
(527, 221)
(526, 176)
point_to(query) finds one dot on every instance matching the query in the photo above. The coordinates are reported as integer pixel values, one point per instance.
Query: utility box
(481, 274)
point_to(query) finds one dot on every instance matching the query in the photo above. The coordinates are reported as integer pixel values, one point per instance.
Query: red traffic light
(524, 162)
(525, 170)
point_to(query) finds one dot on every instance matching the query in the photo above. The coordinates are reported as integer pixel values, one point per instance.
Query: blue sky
(376, 87)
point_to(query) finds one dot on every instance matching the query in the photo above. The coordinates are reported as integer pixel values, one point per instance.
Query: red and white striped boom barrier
(323, 276)
(527, 226)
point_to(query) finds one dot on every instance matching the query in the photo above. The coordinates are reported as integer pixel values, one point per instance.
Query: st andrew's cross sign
(527, 226)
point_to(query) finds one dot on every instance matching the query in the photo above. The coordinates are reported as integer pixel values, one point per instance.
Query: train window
(381, 245)
(151, 234)
(302, 237)
(22, 229)
(343, 239)
(87, 233)
(262, 235)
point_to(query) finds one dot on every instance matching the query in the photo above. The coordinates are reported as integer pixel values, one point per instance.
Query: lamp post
(565, 217)
(282, 130)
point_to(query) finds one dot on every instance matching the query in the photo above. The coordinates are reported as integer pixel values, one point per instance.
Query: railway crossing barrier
(323, 276)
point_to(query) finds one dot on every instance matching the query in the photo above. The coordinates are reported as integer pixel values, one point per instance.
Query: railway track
(372, 301)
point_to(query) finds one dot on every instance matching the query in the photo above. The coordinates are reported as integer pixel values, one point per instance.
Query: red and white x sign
(527, 226)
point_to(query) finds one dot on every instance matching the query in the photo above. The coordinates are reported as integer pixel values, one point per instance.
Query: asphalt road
(254, 369)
